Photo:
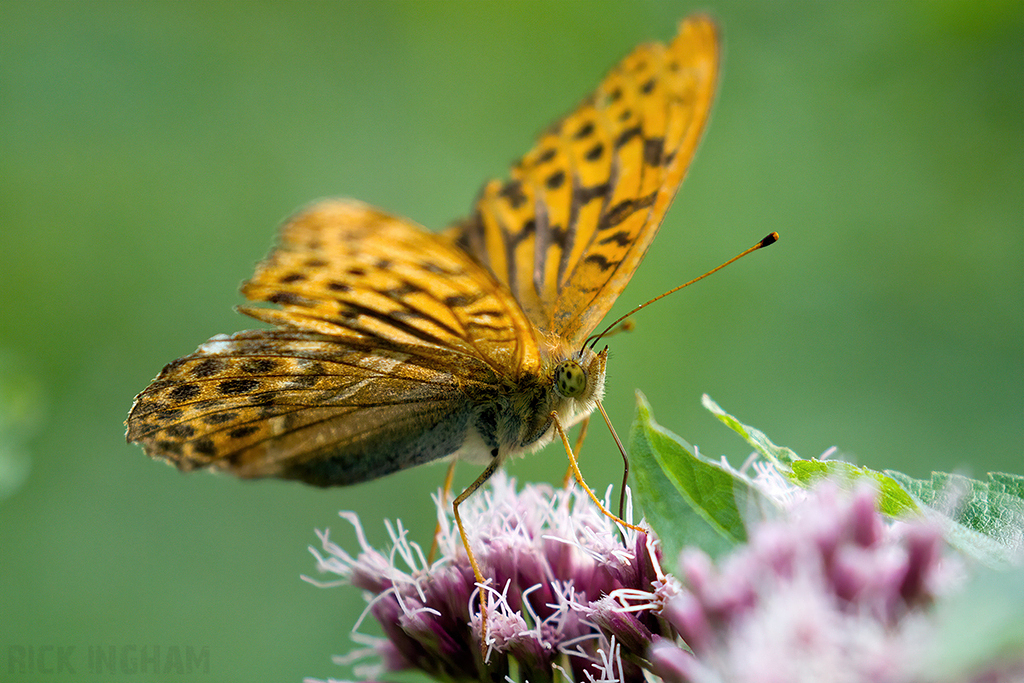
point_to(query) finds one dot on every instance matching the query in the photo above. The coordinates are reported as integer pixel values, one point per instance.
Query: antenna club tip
(768, 240)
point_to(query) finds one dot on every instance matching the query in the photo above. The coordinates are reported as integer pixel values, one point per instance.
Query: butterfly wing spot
(513, 192)
(555, 180)
(584, 131)
(203, 447)
(653, 149)
(601, 262)
(621, 238)
(586, 194)
(233, 387)
(206, 368)
(241, 432)
(181, 431)
(624, 209)
(257, 366)
(184, 392)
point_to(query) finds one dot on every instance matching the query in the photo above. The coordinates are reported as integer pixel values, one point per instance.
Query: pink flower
(830, 592)
(553, 560)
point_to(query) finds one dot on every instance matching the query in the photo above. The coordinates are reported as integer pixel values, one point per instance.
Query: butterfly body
(393, 346)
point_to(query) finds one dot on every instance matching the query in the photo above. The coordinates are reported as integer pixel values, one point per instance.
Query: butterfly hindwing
(568, 229)
(296, 405)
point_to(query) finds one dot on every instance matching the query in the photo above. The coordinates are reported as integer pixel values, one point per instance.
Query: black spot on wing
(290, 299)
(181, 431)
(584, 195)
(585, 131)
(257, 366)
(621, 238)
(241, 432)
(204, 447)
(233, 387)
(513, 192)
(183, 392)
(207, 367)
(555, 180)
(624, 210)
(653, 151)
(627, 135)
(171, 447)
(600, 261)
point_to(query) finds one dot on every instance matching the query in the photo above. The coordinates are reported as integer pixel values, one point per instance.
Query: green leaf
(780, 456)
(689, 500)
(983, 519)
(893, 500)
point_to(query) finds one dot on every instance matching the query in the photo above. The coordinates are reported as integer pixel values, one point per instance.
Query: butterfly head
(581, 376)
(570, 379)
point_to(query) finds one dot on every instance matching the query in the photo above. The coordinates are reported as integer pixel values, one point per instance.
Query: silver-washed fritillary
(394, 346)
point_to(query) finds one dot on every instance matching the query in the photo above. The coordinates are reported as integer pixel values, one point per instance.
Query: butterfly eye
(570, 379)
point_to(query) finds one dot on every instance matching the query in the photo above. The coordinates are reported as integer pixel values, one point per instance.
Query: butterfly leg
(579, 477)
(445, 494)
(584, 423)
(625, 458)
(491, 468)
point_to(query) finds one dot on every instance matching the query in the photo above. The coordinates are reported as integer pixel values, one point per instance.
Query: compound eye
(570, 379)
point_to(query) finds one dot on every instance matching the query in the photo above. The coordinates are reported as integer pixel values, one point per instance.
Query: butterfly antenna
(767, 241)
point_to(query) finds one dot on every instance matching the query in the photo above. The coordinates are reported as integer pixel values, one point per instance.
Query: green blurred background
(150, 149)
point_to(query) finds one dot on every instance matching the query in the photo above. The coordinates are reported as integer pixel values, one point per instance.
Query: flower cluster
(830, 591)
(558, 572)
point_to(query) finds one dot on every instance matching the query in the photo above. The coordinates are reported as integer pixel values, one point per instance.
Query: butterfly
(394, 346)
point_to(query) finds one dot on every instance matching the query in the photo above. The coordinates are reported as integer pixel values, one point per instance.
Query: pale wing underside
(568, 229)
(295, 405)
(389, 338)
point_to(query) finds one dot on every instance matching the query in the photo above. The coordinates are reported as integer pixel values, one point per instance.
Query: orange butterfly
(394, 346)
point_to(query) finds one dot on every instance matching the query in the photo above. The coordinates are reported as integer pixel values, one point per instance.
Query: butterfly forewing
(568, 229)
(345, 268)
